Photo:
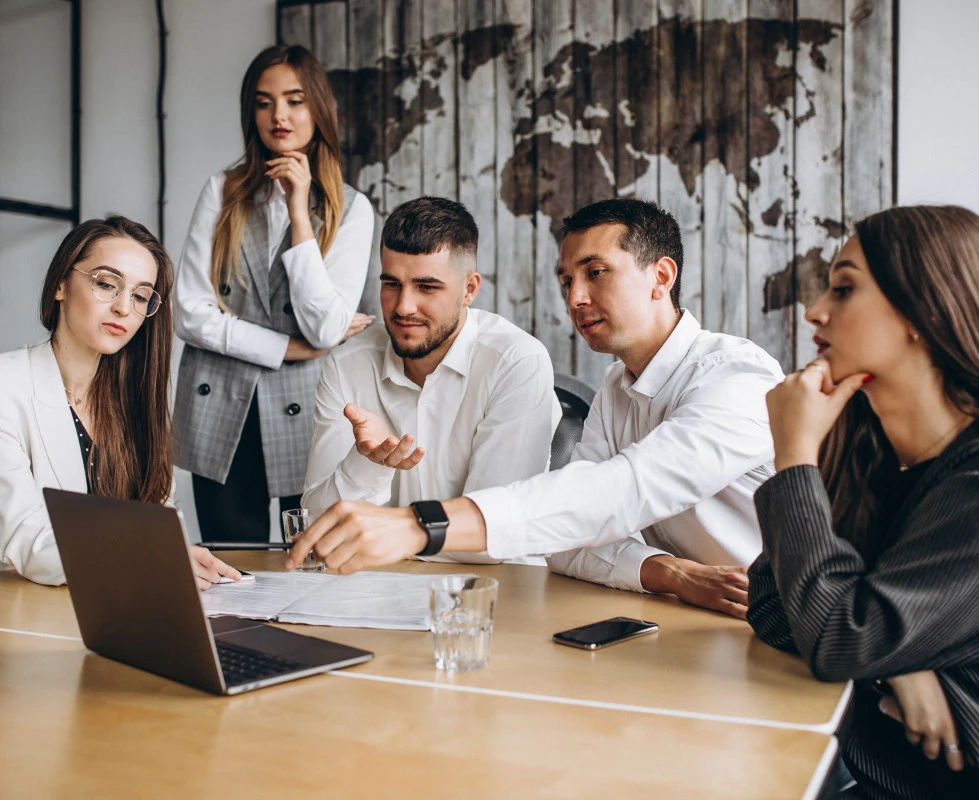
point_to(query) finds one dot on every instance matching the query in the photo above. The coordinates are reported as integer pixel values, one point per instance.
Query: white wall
(938, 103)
(35, 154)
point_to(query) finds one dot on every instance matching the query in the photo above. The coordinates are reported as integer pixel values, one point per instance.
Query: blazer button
(287, 308)
(292, 409)
(224, 289)
(203, 389)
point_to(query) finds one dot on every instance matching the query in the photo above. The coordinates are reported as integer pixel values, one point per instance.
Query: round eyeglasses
(107, 286)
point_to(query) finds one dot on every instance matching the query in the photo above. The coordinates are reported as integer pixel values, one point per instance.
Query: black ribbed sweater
(916, 607)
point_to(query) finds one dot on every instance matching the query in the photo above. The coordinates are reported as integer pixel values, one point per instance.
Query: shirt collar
(277, 193)
(665, 362)
(457, 358)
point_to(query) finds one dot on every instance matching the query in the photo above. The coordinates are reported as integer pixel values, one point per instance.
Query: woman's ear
(60, 293)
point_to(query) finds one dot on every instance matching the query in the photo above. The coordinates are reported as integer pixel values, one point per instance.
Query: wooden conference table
(700, 709)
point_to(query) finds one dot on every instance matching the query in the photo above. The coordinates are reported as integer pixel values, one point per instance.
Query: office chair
(575, 396)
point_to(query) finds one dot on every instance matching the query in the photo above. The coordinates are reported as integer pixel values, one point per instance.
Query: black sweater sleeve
(765, 612)
(915, 609)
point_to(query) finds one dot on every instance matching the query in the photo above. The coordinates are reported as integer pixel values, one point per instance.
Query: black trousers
(238, 509)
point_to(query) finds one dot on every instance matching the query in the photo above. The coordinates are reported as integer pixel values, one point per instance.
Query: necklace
(956, 428)
(74, 399)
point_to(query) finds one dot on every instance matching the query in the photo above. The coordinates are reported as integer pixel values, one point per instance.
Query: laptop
(132, 584)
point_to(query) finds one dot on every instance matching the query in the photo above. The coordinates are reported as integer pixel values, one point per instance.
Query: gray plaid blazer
(214, 391)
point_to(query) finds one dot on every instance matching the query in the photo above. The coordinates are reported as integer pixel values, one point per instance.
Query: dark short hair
(427, 225)
(651, 233)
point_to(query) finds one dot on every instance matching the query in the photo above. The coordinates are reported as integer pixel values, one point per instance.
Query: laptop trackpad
(306, 650)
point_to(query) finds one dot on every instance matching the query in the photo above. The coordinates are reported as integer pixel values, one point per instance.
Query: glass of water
(295, 521)
(462, 609)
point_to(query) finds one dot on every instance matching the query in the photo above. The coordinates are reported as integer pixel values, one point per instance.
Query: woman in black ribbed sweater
(870, 568)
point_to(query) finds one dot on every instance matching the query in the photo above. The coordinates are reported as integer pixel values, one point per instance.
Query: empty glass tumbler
(295, 521)
(462, 609)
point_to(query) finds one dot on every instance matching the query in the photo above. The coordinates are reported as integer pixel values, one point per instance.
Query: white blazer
(38, 448)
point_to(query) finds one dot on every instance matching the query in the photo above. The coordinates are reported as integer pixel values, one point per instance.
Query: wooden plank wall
(764, 126)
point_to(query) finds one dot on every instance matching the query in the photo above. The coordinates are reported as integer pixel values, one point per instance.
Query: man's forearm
(467, 528)
(658, 574)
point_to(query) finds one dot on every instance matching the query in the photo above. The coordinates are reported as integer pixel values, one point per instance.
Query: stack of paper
(363, 600)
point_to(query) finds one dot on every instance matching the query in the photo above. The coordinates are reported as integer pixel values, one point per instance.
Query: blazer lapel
(54, 423)
(255, 248)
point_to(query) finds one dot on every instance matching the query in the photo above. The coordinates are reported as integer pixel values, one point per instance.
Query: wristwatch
(431, 516)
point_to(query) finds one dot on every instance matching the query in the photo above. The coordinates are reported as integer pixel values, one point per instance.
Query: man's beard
(435, 340)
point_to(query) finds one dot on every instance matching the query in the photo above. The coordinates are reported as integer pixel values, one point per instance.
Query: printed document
(392, 600)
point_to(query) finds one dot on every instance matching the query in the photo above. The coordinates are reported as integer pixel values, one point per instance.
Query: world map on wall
(388, 102)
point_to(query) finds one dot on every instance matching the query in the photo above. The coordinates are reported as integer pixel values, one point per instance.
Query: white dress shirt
(324, 300)
(676, 453)
(485, 417)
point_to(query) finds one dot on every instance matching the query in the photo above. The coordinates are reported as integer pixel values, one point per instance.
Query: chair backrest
(575, 397)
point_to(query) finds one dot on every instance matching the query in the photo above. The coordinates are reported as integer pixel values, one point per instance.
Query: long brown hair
(130, 394)
(925, 260)
(245, 179)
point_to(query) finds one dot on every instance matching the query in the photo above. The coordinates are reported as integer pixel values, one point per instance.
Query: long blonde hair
(244, 180)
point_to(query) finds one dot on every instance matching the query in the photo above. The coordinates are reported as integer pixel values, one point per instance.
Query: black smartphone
(606, 632)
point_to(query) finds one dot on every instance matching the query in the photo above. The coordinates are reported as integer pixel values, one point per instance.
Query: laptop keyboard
(241, 665)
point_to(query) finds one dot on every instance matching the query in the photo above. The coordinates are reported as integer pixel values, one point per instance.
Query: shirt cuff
(257, 344)
(506, 531)
(304, 251)
(628, 566)
(361, 475)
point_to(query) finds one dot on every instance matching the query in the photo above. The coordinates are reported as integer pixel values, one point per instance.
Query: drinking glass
(462, 609)
(295, 521)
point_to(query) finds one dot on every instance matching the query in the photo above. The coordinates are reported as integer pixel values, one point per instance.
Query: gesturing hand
(373, 441)
(919, 703)
(208, 568)
(723, 589)
(292, 168)
(803, 408)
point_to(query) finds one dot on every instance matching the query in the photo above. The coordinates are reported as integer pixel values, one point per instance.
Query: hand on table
(208, 568)
(919, 703)
(723, 589)
(374, 442)
(351, 536)
(803, 408)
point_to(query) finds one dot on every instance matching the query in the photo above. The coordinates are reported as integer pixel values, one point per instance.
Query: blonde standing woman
(270, 278)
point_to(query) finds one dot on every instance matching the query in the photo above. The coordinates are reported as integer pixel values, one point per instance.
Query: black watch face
(430, 512)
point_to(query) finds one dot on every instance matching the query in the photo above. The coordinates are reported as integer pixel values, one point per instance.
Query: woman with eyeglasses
(88, 410)
(270, 278)
(870, 564)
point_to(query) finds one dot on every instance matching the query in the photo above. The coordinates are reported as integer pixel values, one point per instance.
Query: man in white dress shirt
(675, 445)
(471, 390)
